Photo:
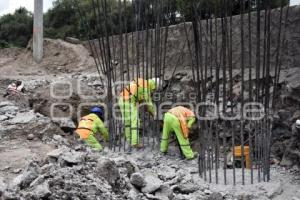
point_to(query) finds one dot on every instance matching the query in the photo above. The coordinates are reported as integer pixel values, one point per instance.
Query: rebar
(239, 145)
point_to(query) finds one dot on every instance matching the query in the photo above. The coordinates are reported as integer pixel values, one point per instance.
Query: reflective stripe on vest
(132, 89)
(182, 115)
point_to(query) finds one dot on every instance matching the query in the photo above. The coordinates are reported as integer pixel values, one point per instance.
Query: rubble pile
(70, 174)
(81, 174)
(16, 121)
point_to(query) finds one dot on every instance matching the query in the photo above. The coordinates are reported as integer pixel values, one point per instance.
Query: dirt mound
(59, 57)
(10, 52)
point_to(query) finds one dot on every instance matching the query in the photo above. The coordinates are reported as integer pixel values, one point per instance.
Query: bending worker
(90, 125)
(136, 92)
(179, 120)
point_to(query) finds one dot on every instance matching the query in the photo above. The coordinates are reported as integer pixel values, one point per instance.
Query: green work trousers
(172, 124)
(93, 143)
(131, 120)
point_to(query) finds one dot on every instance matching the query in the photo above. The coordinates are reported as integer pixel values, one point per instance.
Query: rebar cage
(235, 59)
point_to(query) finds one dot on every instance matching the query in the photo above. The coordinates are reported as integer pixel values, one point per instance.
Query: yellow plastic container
(238, 154)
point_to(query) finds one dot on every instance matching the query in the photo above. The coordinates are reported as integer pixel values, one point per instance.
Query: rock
(16, 171)
(164, 193)
(187, 188)
(23, 118)
(6, 103)
(65, 123)
(134, 194)
(137, 180)
(10, 195)
(274, 190)
(95, 83)
(176, 88)
(48, 168)
(108, 169)
(60, 139)
(3, 118)
(28, 175)
(5, 168)
(56, 153)
(207, 192)
(72, 157)
(295, 116)
(39, 180)
(286, 162)
(2, 186)
(9, 109)
(293, 78)
(42, 191)
(30, 136)
(180, 75)
(284, 114)
(129, 166)
(153, 183)
(214, 196)
(166, 173)
(73, 40)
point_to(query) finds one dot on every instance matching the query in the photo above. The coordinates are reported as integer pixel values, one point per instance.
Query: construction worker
(90, 125)
(136, 92)
(14, 88)
(178, 119)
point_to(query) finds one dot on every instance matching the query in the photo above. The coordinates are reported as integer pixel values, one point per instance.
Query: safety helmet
(99, 111)
(298, 123)
(155, 84)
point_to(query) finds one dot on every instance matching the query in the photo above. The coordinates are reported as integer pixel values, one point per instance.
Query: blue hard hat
(98, 111)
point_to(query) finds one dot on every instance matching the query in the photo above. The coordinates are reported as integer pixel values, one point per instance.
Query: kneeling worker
(178, 119)
(90, 125)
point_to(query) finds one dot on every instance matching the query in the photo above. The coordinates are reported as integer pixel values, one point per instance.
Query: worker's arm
(102, 129)
(191, 121)
(148, 101)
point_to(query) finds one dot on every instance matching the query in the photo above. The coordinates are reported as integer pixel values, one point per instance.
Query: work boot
(138, 146)
(196, 154)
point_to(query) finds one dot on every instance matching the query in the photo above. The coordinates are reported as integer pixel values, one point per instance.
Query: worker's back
(88, 124)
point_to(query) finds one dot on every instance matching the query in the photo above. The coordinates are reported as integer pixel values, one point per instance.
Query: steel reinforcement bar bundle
(135, 45)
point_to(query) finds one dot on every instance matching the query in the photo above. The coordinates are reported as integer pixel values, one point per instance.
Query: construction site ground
(65, 61)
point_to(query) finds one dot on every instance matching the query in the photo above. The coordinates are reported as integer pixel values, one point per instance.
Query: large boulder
(137, 180)
(71, 158)
(24, 118)
(30, 173)
(107, 169)
(153, 183)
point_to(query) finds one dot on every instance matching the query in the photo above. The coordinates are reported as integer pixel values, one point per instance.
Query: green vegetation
(16, 29)
(64, 20)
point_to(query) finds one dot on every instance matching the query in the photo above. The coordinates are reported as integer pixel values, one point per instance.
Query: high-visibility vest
(132, 88)
(85, 126)
(182, 115)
